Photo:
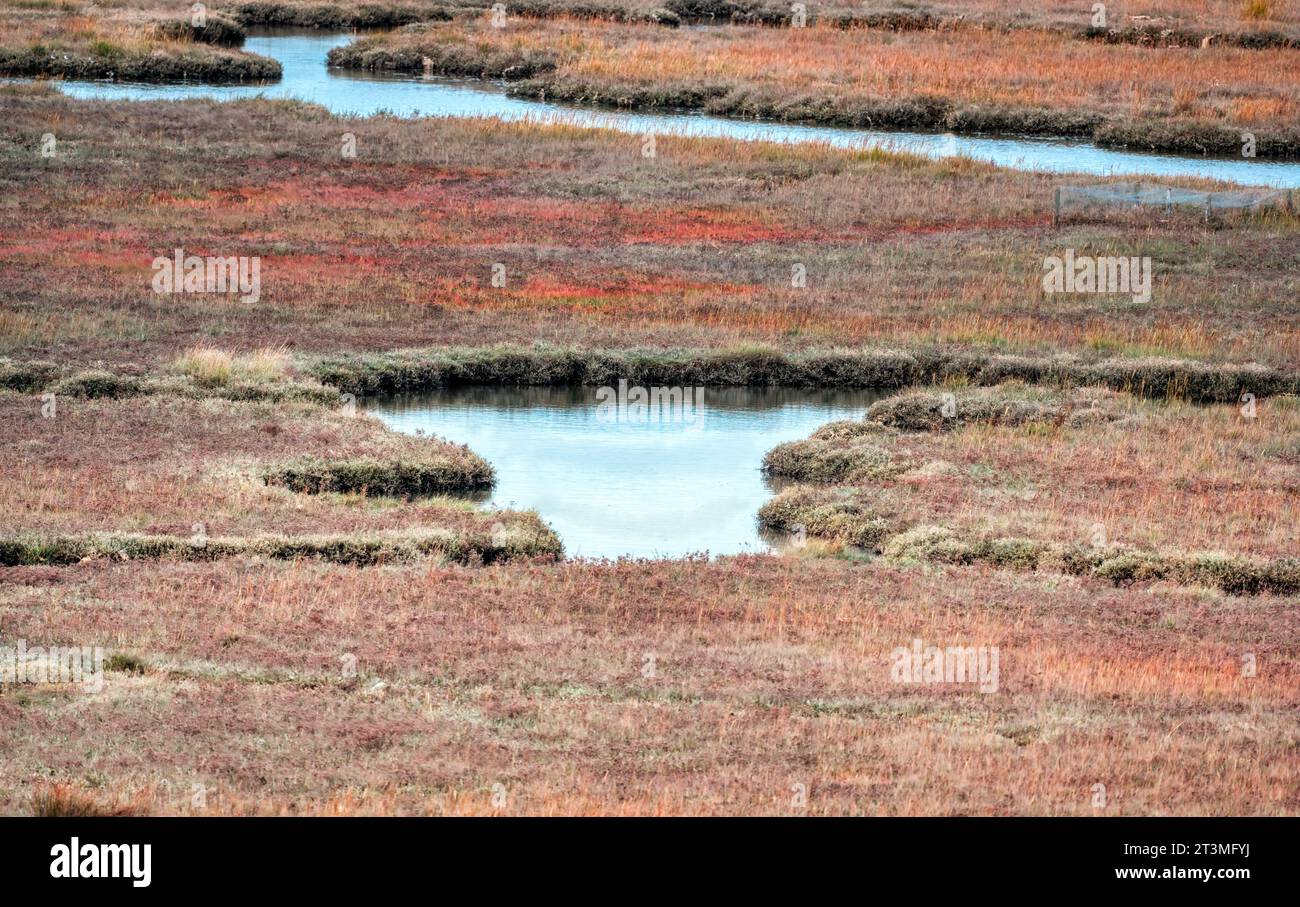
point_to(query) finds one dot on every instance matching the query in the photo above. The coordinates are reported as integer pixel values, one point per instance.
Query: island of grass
(129, 46)
(1022, 81)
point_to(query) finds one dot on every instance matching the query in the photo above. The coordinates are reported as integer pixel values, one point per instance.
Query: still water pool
(612, 486)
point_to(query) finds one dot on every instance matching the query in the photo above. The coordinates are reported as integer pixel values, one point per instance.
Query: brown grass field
(493, 677)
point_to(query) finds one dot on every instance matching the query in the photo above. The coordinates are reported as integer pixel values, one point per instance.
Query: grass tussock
(26, 377)
(453, 468)
(845, 515)
(1003, 405)
(64, 801)
(217, 29)
(212, 367)
(840, 452)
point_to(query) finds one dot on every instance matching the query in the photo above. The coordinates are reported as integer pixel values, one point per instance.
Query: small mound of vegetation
(454, 468)
(844, 452)
(840, 514)
(1010, 406)
(211, 367)
(96, 383)
(26, 377)
(217, 30)
(409, 51)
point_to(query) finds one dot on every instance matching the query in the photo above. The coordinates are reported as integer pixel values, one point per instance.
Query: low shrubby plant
(844, 452)
(451, 468)
(843, 515)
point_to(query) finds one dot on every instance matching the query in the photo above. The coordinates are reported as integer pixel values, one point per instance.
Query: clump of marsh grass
(26, 377)
(450, 468)
(217, 29)
(936, 410)
(67, 801)
(212, 367)
(840, 514)
(264, 374)
(843, 452)
(96, 383)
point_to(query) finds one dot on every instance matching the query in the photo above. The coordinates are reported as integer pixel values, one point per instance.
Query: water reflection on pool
(677, 483)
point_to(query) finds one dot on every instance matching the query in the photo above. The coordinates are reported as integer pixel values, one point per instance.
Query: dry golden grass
(1019, 68)
(213, 367)
(769, 673)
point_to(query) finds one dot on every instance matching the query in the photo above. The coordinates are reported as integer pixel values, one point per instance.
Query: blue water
(306, 77)
(674, 484)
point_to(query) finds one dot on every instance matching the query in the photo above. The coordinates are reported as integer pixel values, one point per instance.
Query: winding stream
(306, 77)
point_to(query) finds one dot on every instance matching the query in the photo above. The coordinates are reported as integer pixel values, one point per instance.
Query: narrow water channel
(663, 481)
(307, 78)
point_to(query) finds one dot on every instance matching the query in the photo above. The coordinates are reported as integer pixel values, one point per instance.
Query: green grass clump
(836, 514)
(26, 377)
(842, 452)
(217, 30)
(124, 663)
(96, 383)
(456, 469)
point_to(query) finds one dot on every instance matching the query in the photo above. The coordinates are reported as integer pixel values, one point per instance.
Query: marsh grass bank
(520, 540)
(408, 371)
(867, 80)
(1014, 476)
(129, 46)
